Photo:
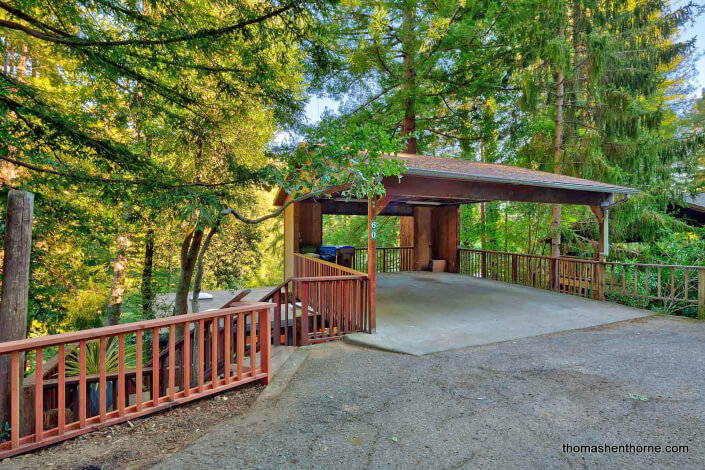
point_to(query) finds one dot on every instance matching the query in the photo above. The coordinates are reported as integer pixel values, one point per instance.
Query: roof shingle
(454, 168)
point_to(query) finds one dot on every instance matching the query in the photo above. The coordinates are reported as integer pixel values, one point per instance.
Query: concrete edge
(282, 378)
(391, 349)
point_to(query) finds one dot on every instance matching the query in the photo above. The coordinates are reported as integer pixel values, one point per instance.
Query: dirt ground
(144, 441)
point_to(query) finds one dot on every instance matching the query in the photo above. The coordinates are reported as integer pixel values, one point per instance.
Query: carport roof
(488, 181)
(454, 168)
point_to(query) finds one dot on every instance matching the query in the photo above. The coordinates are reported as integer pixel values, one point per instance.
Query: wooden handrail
(328, 263)
(186, 367)
(385, 248)
(584, 260)
(672, 284)
(96, 333)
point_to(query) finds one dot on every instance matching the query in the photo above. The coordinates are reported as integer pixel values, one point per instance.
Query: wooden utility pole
(15, 285)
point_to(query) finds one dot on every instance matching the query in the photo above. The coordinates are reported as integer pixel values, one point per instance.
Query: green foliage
(352, 230)
(338, 154)
(93, 363)
(85, 308)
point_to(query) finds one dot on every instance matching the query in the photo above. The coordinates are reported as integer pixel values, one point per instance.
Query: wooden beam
(599, 214)
(406, 231)
(310, 224)
(447, 190)
(423, 237)
(330, 206)
(381, 203)
(445, 225)
(372, 261)
(602, 216)
(289, 240)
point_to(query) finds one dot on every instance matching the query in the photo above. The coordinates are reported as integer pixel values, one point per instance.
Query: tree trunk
(483, 226)
(9, 172)
(195, 307)
(15, 286)
(506, 226)
(117, 287)
(557, 149)
(147, 288)
(22, 63)
(408, 125)
(189, 253)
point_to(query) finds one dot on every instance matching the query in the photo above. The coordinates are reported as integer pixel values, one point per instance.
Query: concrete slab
(421, 313)
(165, 302)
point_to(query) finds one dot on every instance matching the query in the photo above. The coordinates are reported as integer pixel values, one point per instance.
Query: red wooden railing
(322, 302)
(392, 259)
(307, 266)
(672, 286)
(223, 349)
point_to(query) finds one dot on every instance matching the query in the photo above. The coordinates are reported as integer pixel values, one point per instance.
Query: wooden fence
(670, 285)
(103, 376)
(392, 259)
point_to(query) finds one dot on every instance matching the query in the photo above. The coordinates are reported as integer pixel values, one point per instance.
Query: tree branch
(61, 37)
(235, 213)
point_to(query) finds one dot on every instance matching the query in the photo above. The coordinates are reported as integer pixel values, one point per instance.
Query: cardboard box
(437, 265)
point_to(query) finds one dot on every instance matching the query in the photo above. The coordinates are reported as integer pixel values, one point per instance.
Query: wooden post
(423, 237)
(372, 260)
(265, 351)
(406, 231)
(15, 287)
(602, 216)
(289, 240)
(304, 314)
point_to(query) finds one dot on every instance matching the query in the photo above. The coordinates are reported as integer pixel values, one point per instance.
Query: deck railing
(391, 259)
(672, 286)
(103, 376)
(323, 302)
(307, 266)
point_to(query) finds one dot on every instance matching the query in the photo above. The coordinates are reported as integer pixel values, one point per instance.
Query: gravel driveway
(506, 405)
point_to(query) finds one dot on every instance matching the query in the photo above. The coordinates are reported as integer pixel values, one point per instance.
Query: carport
(464, 311)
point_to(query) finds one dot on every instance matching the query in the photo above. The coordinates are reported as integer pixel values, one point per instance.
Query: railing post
(701, 294)
(553, 274)
(515, 268)
(264, 348)
(600, 280)
(277, 318)
(304, 313)
(484, 264)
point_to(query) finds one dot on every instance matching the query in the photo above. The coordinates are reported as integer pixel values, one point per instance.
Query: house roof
(696, 203)
(454, 168)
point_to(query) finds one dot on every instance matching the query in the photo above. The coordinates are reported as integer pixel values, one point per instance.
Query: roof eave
(496, 179)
